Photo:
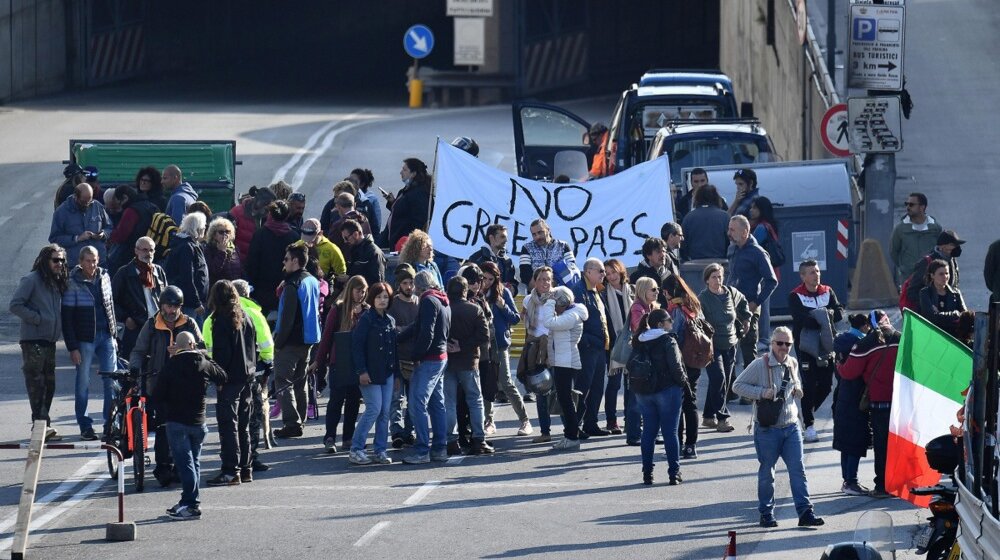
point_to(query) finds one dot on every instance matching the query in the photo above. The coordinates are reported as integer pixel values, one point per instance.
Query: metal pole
(831, 39)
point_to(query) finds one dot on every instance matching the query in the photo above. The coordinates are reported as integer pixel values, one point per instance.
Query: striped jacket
(79, 311)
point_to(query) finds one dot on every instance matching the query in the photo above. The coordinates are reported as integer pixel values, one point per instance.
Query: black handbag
(343, 364)
(769, 410)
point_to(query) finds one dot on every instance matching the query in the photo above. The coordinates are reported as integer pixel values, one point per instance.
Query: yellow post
(416, 93)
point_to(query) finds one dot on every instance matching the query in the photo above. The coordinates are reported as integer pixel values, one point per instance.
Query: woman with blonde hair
(646, 293)
(220, 252)
(418, 251)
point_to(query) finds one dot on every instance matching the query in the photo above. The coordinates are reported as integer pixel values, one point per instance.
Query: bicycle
(128, 425)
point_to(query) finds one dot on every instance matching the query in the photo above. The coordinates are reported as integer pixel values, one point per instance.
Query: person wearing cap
(156, 341)
(330, 258)
(182, 194)
(74, 175)
(873, 359)
(746, 192)
(249, 215)
(601, 165)
(403, 309)
(948, 248)
(914, 236)
(80, 221)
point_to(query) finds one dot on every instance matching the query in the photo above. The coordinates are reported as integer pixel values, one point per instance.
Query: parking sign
(876, 46)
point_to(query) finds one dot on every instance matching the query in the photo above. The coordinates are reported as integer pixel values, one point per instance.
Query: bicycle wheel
(138, 453)
(114, 437)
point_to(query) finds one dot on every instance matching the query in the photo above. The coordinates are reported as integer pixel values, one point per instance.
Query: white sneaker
(811, 435)
(359, 458)
(566, 444)
(526, 429)
(490, 428)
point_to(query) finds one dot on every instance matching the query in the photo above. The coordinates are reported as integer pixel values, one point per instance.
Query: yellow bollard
(416, 93)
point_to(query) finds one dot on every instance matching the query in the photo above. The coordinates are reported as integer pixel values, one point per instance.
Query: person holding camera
(815, 308)
(772, 381)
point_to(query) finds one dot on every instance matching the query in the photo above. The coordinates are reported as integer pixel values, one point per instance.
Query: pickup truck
(208, 165)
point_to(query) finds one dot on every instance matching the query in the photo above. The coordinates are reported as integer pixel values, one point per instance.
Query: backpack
(696, 350)
(641, 375)
(904, 301)
(161, 230)
(773, 247)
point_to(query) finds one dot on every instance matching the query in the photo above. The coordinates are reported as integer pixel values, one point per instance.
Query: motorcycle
(937, 538)
(873, 540)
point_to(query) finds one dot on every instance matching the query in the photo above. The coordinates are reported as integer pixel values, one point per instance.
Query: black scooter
(937, 538)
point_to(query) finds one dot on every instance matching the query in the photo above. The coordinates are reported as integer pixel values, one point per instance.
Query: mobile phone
(384, 193)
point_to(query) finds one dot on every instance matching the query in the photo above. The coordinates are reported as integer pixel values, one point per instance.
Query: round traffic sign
(418, 41)
(833, 130)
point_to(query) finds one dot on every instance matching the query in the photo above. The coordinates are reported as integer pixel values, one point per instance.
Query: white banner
(606, 218)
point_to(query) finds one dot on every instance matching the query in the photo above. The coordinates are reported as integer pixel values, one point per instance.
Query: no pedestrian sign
(876, 47)
(834, 130)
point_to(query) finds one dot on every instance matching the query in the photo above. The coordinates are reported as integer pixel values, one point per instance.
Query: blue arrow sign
(418, 41)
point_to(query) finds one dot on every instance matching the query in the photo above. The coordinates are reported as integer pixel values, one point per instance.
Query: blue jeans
(661, 412)
(720, 376)
(377, 400)
(849, 467)
(399, 420)
(185, 446)
(633, 414)
(102, 348)
(590, 381)
(427, 406)
(469, 380)
(784, 443)
(544, 418)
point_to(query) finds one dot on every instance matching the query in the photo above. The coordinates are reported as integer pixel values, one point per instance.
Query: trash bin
(812, 204)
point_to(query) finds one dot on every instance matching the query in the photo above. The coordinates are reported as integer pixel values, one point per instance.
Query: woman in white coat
(564, 319)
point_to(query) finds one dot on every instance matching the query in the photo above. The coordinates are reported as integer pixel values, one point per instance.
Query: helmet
(72, 170)
(539, 382)
(467, 145)
(172, 295)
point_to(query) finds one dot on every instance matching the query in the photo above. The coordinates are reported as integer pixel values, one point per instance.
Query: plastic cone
(731, 548)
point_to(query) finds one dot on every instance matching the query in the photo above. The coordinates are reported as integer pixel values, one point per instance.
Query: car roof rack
(672, 124)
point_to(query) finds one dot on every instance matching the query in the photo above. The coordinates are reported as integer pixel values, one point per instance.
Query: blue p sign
(864, 29)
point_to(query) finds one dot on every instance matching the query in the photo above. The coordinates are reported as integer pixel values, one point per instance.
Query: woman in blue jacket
(505, 316)
(373, 345)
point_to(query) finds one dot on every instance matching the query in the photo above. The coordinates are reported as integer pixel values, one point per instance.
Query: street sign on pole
(875, 124)
(876, 46)
(418, 41)
(834, 130)
(470, 41)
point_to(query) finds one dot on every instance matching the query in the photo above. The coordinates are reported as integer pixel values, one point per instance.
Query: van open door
(540, 132)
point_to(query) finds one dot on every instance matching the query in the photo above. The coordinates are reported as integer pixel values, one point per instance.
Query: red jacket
(245, 227)
(876, 363)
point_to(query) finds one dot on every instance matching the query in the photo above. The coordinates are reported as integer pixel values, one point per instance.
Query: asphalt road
(524, 501)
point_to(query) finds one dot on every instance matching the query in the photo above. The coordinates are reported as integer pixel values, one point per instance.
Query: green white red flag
(932, 371)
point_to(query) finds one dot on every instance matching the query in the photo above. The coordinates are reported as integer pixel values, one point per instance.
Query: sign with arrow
(876, 46)
(834, 130)
(418, 41)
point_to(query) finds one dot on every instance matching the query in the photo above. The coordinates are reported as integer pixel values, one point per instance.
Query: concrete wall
(771, 76)
(32, 48)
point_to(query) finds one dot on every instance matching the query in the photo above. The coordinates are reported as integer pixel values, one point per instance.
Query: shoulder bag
(769, 410)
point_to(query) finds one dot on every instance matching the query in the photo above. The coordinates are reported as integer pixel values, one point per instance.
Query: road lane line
(80, 475)
(4, 220)
(372, 533)
(300, 174)
(40, 522)
(38, 194)
(19, 206)
(422, 492)
(297, 157)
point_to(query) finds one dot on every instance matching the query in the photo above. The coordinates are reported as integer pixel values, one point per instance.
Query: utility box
(813, 206)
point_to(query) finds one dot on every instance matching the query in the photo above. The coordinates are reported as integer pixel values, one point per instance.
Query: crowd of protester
(272, 307)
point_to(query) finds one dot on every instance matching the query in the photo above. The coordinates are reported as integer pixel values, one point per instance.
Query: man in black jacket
(496, 252)
(180, 400)
(654, 254)
(431, 332)
(136, 288)
(817, 371)
(364, 258)
(470, 331)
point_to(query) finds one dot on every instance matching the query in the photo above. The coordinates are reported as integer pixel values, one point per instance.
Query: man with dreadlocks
(38, 302)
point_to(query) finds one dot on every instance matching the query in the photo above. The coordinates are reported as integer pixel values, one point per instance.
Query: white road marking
(422, 492)
(372, 533)
(4, 219)
(300, 174)
(20, 205)
(80, 475)
(40, 522)
(38, 194)
(294, 160)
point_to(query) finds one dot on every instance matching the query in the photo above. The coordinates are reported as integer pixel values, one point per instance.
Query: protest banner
(605, 218)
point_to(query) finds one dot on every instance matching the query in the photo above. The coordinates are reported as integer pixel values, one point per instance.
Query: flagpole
(430, 207)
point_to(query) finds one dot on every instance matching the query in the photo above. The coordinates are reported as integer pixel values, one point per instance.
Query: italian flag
(932, 371)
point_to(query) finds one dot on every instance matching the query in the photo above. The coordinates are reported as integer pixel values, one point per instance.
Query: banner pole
(434, 165)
